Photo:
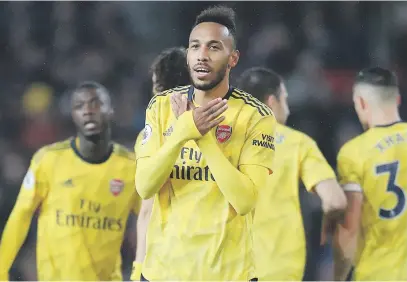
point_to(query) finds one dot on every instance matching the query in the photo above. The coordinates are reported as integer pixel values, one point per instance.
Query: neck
(202, 97)
(385, 115)
(93, 150)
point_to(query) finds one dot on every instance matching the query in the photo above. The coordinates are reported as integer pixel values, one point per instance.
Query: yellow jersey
(376, 161)
(279, 249)
(83, 211)
(194, 233)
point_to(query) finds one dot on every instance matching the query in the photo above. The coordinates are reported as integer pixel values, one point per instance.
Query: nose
(203, 54)
(88, 110)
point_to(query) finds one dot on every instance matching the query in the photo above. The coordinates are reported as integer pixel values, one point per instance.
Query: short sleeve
(314, 168)
(35, 185)
(150, 140)
(349, 171)
(258, 148)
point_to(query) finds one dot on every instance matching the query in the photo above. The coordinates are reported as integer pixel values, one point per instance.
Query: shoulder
(124, 153)
(294, 136)
(51, 150)
(293, 132)
(164, 97)
(353, 147)
(250, 104)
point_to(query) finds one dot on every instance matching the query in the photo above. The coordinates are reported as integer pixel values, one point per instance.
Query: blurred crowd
(49, 47)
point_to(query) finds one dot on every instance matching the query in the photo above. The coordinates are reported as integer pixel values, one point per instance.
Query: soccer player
(280, 251)
(205, 167)
(84, 190)
(169, 70)
(372, 169)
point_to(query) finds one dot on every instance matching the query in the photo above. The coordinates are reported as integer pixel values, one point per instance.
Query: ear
(362, 102)
(398, 100)
(186, 55)
(234, 58)
(271, 101)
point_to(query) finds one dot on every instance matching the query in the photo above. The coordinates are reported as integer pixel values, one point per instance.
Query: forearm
(152, 172)
(238, 189)
(13, 237)
(142, 225)
(344, 246)
(342, 266)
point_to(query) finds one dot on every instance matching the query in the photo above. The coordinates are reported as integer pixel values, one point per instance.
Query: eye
(77, 106)
(214, 47)
(194, 46)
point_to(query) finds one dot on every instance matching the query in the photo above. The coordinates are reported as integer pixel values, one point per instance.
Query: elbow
(245, 208)
(339, 203)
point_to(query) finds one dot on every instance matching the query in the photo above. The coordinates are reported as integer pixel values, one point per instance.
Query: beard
(208, 85)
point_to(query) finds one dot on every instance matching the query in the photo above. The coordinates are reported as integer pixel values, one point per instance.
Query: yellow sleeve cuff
(187, 126)
(136, 271)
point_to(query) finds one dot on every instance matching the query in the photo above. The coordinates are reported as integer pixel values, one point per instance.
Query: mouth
(202, 71)
(90, 125)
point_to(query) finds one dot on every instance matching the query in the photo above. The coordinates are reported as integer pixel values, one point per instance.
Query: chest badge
(223, 133)
(116, 186)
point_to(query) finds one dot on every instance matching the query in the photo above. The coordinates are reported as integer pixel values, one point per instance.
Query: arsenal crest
(223, 133)
(116, 186)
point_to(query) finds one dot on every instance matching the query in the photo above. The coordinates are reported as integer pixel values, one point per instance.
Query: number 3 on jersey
(392, 169)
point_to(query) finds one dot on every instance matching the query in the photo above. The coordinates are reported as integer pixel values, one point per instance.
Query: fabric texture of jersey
(83, 209)
(194, 233)
(376, 161)
(278, 232)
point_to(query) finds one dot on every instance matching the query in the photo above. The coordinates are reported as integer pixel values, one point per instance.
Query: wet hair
(260, 82)
(221, 15)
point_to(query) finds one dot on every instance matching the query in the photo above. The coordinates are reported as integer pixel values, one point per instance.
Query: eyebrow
(208, 43)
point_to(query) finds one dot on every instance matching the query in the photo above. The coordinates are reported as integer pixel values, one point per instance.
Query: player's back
(84, 212)
(278, 232)
(194, 233)
(377, 161)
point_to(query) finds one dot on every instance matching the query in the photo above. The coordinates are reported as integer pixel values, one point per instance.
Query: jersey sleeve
(259, 148)
(314, 168)
(349, 171)
(35, 184)
(150, 140)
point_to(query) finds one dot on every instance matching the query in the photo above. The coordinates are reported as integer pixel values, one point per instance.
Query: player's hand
(207, 117)
(179, 104)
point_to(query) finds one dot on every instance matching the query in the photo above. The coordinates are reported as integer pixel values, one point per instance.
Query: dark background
(48, 47)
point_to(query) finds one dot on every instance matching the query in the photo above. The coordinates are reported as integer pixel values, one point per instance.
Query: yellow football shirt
(83, 206)
(278, 232)
(376, 160)
(194, 233)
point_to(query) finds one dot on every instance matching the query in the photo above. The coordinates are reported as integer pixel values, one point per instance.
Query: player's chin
(204, 85)
(92, 135)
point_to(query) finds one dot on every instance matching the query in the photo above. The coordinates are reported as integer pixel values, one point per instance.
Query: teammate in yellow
(84, 190)
(372, 169)
(279, 251)
(168, 70)
(205, 168)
